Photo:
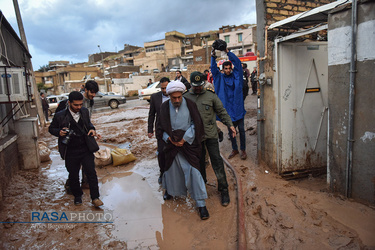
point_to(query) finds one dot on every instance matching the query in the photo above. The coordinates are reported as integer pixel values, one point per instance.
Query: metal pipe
(353, 71)
(240, 208)
(265, 45)
(260, 94)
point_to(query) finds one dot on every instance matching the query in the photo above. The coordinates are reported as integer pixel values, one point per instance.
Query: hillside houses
(175, 50)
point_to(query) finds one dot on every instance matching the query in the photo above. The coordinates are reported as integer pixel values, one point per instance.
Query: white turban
(175, 86)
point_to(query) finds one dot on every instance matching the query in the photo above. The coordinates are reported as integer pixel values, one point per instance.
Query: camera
(66, 139)
(219, 45)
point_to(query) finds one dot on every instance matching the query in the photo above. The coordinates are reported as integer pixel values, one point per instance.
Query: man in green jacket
(209, 105)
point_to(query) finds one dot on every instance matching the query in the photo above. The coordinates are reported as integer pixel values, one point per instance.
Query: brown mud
(299, 214)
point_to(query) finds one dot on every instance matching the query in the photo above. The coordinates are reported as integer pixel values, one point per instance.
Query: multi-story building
(158, 52)
(240, 39)
(66, 79)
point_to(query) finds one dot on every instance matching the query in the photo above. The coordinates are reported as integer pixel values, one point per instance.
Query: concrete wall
(363, 173)
(8, 161)
(153, 60)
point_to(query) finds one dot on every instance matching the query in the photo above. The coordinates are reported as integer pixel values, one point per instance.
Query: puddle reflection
(137, 212)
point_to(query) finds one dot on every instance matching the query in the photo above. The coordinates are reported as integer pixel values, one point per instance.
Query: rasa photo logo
(71, 217)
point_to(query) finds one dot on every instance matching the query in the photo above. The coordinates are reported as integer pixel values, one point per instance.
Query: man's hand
(180, 143)
(233, 131)
(150, 135)
(92, 132)
(63, 131)
(177, 144)
(213, 53)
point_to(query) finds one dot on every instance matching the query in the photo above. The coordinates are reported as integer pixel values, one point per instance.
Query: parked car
(156, 71)
(145, 94)
(109, 93)
(184, 68)
(53, 102)
(174, 69)
(103, 100)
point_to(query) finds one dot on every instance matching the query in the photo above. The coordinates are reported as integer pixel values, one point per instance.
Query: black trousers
(217, 163)
(73, 162)
(254, 87)
(161, 155)
(45, 111)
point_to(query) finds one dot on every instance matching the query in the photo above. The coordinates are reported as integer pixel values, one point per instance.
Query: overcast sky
(72, 29)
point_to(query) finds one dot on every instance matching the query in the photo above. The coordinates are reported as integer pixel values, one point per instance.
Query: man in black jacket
(89, 92)
(181, 78)
(155, 102)
(71, 126)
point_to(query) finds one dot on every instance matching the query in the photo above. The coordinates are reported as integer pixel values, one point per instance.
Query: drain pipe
(353, 71)
(240, 208)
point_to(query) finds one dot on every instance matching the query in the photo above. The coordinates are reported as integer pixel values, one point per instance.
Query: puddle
(125, 145)
(55, 169)
(137, 212)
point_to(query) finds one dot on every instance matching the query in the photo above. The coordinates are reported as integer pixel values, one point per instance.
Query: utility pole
(205, 41)
(105, 81)
(35, 88)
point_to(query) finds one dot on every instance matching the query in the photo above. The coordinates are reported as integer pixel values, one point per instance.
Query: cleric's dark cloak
(191, 152)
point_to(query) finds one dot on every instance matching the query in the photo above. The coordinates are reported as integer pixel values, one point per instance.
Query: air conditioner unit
(13, 82)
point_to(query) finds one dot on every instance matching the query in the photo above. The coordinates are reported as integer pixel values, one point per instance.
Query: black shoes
(78, 201)
(167, 196)
(225, 198)
(203, 213)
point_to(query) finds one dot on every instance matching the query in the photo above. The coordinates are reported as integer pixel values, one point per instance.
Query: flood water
(136, 212)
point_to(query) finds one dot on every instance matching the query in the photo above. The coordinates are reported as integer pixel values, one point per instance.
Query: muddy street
(299, 214)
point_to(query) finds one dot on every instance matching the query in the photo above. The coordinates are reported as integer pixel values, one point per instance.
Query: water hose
(240, 208)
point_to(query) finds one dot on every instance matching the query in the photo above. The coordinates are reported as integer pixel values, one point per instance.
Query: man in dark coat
(156, 101)
(45, 105)
(253, 80)
(71, 126)
(181, 78)
(181, 128)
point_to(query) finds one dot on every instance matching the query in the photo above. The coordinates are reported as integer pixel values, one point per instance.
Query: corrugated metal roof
(308, 18)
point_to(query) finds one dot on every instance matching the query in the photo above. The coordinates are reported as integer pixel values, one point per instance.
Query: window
(226, 38)
(239, 37)
(155, 48)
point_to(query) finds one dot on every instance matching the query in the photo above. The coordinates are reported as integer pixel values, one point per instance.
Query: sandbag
(44, 151)
(122, 156)
(103, 157)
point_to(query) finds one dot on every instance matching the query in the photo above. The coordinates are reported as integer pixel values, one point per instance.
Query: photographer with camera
(73, 128)
(229, 88)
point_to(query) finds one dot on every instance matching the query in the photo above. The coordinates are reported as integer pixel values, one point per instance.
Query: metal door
(303, 102)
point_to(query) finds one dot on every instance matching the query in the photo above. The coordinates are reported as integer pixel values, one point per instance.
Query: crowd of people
(183, 118)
